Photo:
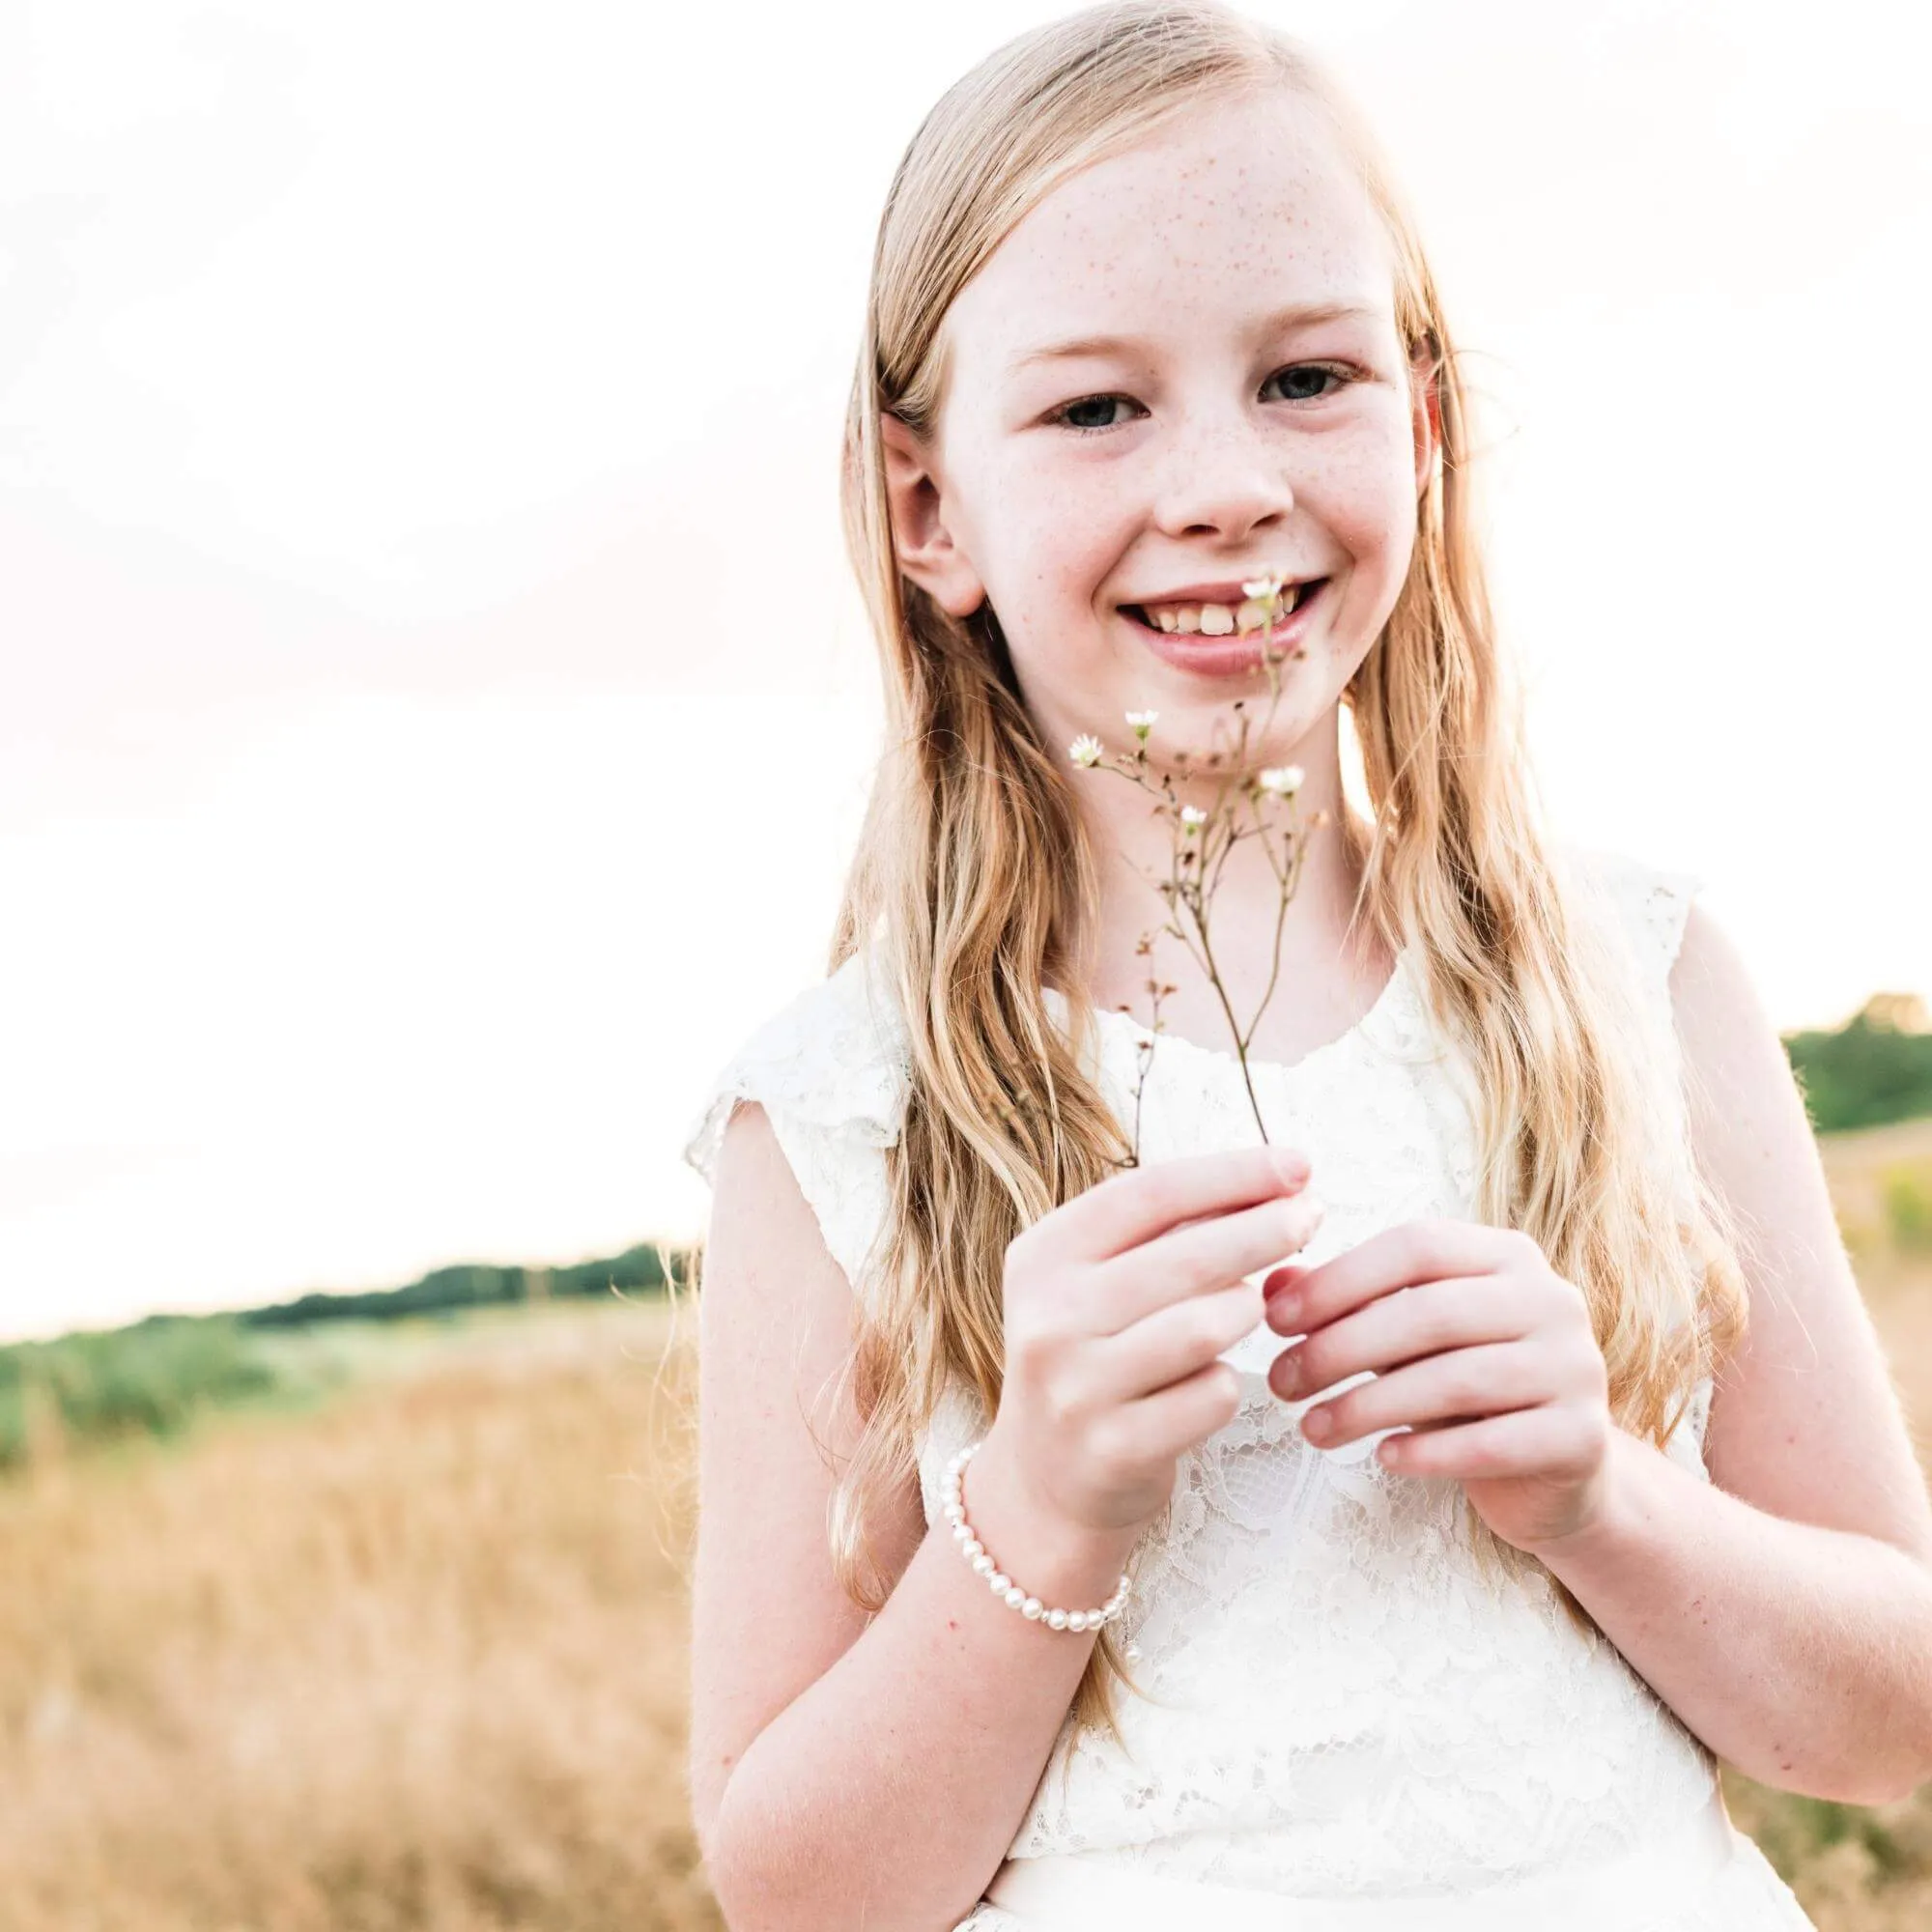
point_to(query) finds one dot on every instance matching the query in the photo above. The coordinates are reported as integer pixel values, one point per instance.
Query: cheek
(1053, 533)
(1367, 498)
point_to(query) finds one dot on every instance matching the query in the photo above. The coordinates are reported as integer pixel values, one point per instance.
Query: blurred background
(434, 720)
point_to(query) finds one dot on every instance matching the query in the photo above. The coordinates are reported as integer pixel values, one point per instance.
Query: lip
(1237, 653)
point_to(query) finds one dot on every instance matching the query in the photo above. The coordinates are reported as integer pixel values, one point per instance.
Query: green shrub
(148, 1379)
(1908, 1204)
(1874, 1070)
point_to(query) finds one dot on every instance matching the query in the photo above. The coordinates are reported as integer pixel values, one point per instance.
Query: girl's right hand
(1117, 1304)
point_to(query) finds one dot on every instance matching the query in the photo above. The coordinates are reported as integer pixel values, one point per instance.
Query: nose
(1221, 478)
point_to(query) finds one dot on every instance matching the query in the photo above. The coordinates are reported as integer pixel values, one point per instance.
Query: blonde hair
(974, 876)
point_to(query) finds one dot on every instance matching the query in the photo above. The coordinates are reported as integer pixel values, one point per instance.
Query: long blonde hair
(974, 878)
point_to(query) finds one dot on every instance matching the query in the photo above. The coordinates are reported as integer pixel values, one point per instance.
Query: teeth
(1218, 620)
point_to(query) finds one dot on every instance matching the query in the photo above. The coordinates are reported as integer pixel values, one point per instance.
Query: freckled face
(1209, 445)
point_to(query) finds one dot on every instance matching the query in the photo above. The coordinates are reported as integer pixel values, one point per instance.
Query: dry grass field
(411, 1658)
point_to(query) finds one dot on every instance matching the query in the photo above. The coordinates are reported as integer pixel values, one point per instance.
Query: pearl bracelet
(1001, 1585)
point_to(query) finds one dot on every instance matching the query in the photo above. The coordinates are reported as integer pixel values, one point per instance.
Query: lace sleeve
(829, 1070)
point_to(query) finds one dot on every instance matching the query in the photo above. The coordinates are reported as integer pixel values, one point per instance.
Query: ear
(1427, 411)
(923, 544)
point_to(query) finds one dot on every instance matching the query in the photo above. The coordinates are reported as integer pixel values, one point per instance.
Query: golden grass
(411, 1658)
(415, 1660)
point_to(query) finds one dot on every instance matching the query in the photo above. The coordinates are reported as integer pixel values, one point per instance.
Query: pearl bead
(1003, 1586)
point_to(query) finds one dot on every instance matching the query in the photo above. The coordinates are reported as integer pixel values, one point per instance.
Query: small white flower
(1282, 779)
(1142, 723)
(1193, 818)
(1086, 749)
(1264, 587)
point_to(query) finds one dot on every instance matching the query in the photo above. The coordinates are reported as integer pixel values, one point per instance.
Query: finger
(1523, 1442)
(1461, 1385)
(1204, 1256)
(1174, 1342)
(1128, 1209)
(1186, 1412)
(1402, 1324)
(1401, 1256)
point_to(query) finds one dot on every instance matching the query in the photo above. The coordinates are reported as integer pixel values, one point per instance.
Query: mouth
(1235, 642)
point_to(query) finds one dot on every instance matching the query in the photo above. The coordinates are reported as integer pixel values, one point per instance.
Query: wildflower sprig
(1246, 804)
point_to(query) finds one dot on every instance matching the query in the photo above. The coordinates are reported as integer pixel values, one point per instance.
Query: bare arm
(885, 1767)
(1785, 1610)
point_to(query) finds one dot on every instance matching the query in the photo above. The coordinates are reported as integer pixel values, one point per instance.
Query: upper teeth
(1218, 620)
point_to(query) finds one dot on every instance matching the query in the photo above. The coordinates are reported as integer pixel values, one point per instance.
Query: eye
(1339, 372)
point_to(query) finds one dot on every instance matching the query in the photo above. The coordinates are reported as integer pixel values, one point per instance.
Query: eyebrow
(1297, 315)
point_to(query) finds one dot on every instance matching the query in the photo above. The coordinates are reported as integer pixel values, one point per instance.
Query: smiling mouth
(1221, 620)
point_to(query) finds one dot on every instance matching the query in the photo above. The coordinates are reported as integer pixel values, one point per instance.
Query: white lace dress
(1345, 1726)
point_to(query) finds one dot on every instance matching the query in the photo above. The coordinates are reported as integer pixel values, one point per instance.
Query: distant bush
(148, 1378)
(1874, 1070)
(1908, 1204)
(472, 1285)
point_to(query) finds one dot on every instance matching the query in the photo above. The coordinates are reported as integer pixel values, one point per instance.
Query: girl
(1380, 1587)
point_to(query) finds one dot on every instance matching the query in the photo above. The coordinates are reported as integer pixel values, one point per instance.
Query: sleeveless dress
(1346, 1728)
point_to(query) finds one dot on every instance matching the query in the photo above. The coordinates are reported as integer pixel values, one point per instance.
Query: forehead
(1236, 208)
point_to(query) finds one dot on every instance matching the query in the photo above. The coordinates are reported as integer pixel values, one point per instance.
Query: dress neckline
(1353, 1035)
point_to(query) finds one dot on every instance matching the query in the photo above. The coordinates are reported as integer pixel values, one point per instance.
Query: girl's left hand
(1478, 1344)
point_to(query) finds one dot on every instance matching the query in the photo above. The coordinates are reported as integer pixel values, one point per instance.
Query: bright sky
(406, 803)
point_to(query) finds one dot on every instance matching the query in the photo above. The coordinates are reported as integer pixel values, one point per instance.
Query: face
(1226, 426)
